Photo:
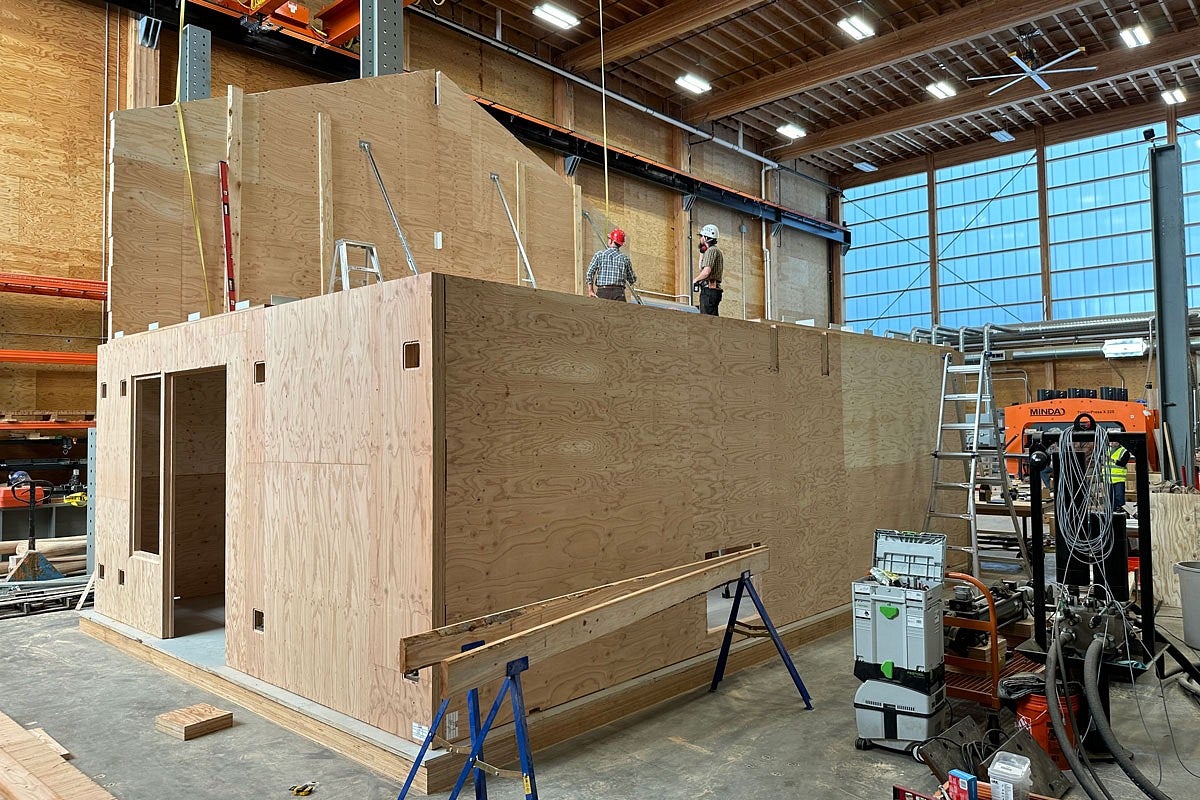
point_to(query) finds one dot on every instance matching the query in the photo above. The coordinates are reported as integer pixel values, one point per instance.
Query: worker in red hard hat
(610, 270)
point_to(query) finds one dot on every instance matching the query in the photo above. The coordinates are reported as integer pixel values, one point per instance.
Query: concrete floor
(750, 740)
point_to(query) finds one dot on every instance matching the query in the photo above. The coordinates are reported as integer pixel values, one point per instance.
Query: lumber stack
(67, 554)
(31, 769)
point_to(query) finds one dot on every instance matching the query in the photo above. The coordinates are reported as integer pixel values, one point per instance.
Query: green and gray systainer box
(898, 642)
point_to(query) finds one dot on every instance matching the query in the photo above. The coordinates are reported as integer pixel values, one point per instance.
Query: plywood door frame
(166, 499)
(167, 491)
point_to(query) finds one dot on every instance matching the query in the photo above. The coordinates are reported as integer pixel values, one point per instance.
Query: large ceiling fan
(1032, 70)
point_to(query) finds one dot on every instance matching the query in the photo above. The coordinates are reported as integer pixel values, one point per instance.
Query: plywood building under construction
(349, 469)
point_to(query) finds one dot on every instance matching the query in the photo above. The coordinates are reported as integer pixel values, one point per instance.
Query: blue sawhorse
(510, 688)
(746, 586)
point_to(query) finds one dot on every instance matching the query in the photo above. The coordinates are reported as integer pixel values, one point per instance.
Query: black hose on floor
(1060, 728)
(1091, 690)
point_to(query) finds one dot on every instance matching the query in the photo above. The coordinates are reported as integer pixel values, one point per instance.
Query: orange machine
(1044, 415)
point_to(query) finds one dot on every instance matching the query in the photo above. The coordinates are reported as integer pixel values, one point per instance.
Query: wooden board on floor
(193, 721)
(30, 770)
(51, 742)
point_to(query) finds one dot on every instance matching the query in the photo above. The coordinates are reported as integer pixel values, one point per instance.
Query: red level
(227, 238)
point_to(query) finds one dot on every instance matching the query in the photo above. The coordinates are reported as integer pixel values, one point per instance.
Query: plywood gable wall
(305, 182)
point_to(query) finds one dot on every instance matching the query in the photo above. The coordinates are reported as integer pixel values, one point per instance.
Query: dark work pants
(611, 293)
(709, 300)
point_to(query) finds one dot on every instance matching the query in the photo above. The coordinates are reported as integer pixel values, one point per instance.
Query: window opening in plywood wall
(147, 464)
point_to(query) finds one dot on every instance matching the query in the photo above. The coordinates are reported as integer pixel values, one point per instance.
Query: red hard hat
(617, 236)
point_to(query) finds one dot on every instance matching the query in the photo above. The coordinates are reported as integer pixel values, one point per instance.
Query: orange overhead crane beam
(53, 287)
(34, 425)
(47, 357)
(331, 27)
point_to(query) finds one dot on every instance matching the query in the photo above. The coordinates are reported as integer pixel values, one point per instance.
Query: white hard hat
(710, 232)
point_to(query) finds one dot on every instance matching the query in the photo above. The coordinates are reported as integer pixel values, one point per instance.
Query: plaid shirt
(610, 267)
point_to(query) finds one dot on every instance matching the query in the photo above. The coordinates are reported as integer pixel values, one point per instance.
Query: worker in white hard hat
(712, 269)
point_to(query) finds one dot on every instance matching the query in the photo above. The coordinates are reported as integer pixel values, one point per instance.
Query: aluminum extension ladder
(974, 414)
(339, 271)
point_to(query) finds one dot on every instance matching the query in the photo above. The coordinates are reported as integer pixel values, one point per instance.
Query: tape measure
(79, 499)
(304, 789)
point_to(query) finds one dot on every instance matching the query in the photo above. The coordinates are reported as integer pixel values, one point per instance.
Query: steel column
(382, 37)
(195, 66)
(1171, 309)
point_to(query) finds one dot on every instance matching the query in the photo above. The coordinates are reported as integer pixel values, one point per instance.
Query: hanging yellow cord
(604, 112)
(187, 163)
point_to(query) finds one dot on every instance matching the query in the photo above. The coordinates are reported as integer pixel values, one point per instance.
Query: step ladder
(981, 462)
(340, 270)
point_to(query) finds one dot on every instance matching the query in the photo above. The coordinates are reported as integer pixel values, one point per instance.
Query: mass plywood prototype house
(346, 470)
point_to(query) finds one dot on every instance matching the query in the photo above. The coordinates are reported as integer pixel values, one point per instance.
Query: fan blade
(1037, 78)
(1060, 59)
(1005, 86)
(999, 77)
(1016, 59)
(1068, 69)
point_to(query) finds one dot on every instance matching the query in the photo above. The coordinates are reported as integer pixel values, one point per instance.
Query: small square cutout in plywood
(188, 723)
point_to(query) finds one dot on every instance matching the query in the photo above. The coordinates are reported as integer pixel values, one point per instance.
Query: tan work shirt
(714, 261)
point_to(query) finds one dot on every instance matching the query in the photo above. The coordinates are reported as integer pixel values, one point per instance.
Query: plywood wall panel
(436, 161)
(1176, 527)
(578, 432)
(245, 588)
(51, 153)
(405, 592)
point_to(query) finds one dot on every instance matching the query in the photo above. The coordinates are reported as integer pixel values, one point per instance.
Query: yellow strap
(187, 162)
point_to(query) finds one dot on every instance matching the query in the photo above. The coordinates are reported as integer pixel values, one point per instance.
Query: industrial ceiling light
(558, 17)
(865, 166)
(1173, 97)
(856, 27)
(693, 83)
(941, 90)
(792, 131)
(1135, 36)
(1003, 136)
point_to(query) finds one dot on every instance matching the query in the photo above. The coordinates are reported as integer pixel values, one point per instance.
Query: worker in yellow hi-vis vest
(1118, 458)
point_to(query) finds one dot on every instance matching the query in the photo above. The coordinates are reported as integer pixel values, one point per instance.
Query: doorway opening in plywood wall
(196, 481)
